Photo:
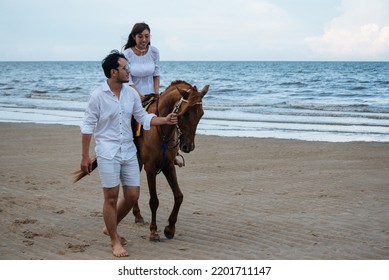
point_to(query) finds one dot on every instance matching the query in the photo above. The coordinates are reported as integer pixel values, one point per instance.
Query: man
(108, 115)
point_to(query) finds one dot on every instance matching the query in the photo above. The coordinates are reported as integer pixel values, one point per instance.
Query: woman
(144, 64)
(143, 60)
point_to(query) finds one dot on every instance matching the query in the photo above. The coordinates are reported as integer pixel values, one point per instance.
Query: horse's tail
(79, 174)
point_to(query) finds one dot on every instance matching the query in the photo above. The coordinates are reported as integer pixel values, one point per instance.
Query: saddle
(146, 103)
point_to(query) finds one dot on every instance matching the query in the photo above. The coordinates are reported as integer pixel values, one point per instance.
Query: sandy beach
(244, 198)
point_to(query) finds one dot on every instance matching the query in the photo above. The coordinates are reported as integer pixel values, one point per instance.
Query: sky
(197, 30)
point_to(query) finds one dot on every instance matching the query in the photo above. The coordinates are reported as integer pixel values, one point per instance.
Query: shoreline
(244, 198)
(234, 134)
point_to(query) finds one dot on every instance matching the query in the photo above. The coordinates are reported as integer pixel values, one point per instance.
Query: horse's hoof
(168, 234)
(139, 220)
(138, 217)
(155, 238)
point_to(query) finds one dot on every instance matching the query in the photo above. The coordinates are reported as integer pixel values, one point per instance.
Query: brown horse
(159, 146)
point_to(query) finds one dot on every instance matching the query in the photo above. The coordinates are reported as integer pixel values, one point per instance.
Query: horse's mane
(193, 99)
(175, 83)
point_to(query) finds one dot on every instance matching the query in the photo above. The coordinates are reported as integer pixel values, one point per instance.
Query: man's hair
(111, 61)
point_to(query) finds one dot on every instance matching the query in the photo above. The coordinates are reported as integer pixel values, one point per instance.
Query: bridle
(166, 139)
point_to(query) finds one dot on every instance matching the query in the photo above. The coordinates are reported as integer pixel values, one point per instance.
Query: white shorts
(113, 171)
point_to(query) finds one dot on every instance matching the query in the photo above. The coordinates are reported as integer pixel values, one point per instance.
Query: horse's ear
(184, 93)
(205, 90)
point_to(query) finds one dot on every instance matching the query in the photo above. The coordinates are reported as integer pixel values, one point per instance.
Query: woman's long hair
(137, 29)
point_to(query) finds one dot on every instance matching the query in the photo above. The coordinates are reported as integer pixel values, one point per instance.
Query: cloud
(235, 30)
(198, 30)
(361, 32)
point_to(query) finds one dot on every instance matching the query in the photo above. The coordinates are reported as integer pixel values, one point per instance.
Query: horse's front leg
(154, 203)
(171, 177)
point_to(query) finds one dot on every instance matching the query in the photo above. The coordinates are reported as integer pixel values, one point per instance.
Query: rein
(167, 139)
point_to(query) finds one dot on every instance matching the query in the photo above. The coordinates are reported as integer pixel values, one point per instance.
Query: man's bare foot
(123, 241)
(118, 251)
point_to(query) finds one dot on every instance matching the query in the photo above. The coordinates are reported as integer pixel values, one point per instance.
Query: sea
(313, 101)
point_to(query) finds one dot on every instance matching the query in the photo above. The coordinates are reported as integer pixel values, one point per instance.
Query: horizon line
(297, 60)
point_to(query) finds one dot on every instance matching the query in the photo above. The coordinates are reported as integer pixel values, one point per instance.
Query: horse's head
(189, 115)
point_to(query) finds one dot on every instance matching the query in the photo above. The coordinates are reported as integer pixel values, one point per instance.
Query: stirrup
(176, 162)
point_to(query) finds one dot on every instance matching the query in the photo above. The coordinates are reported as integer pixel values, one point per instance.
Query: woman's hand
(142, 97)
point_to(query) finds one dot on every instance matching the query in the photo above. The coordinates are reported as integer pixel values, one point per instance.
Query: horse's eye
(186, 115)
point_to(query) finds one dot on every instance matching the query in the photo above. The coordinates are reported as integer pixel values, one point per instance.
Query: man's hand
(86, 164)
(172, 119)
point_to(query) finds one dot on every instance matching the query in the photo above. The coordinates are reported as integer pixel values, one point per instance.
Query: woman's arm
(142, 97)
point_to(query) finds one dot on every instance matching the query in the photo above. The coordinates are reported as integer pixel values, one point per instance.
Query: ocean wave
(71, 89)
(60, 108)
(68, 97)
(304, 120)
(298, 126)
(255, 107)
(299, 84)
(360, 107)
(319, 114)
(36, 95)
(358, 88)
(8, 88)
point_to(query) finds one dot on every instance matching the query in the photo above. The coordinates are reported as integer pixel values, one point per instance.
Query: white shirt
(143, 69)
(109, 118)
